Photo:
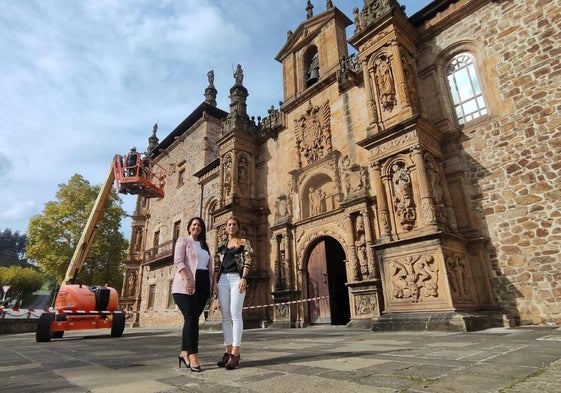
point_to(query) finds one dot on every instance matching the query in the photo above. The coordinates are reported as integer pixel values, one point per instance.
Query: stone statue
(385, 83)
(238, 75)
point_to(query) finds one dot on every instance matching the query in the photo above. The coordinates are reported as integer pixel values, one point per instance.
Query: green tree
(12, 247)
(23, 281)
(54, 235)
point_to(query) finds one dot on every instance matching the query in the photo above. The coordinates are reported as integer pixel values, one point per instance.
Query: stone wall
(511, 159)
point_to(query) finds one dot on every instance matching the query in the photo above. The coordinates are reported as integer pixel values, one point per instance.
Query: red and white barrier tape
(285, 303)
(30, 313)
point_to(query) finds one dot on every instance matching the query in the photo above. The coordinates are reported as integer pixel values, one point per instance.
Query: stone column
(427, 207)
(353, 260)
(382, 205)
(399, 75)
(372, 271)
(370, 102)
(276, 258)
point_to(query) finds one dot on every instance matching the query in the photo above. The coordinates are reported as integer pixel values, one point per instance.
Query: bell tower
(307, 59)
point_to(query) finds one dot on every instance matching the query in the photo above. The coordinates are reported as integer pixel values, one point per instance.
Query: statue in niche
(403, 195)
(316, 199)
(228, 176)
(137, 239)
(131, 283)
(360, 244)
(385, 83)
(435, 183)
(242, 174)
(457, 275)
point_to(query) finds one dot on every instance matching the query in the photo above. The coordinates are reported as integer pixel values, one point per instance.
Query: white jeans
(231, 305)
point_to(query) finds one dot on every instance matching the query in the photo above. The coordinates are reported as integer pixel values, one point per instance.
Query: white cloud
(83, 80)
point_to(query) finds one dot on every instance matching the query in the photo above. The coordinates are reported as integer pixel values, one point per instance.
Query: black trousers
(192, 306)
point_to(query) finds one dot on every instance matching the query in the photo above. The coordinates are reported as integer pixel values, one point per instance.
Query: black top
(229, 261)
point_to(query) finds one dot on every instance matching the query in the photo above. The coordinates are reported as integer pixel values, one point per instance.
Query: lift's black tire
(59, 333)
(43, 333)
(118, 325)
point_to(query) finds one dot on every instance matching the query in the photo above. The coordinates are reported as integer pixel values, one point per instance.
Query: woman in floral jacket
(231, 267)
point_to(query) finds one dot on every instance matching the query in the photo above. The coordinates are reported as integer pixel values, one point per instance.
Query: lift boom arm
(87, 238)
(141, 177)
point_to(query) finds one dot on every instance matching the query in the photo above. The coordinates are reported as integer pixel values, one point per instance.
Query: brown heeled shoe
(233, 362)
(224, 361)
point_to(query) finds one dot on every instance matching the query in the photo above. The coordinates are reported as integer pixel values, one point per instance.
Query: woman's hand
(189, 285)
(242, 286)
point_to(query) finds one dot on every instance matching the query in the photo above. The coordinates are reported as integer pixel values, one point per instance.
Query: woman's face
(232, 227)
(195, 229)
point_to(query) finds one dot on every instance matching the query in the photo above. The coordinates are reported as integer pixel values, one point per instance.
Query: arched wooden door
(326, 280)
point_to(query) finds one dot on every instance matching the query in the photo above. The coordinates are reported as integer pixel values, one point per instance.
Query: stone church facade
(413, 184)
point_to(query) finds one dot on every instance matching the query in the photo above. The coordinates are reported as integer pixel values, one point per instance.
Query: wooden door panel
(319, 310)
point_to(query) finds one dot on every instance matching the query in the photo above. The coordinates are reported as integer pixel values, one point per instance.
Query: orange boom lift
(81, 307)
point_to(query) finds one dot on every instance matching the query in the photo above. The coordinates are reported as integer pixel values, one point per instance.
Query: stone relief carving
(281, 310)
(283, 208)
(396, 144)
(408, 91)
(227, 175)
(354, 176)
(242, 174)
(414, 277)
(371, 10)
(457, 275)
(403, 195)
(365, 305)
(313, 133)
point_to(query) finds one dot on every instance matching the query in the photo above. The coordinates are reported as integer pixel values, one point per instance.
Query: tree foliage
(54, 235)
(21, 279)
(12, 247)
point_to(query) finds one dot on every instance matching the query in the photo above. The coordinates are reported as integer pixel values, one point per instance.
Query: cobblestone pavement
(314, 359)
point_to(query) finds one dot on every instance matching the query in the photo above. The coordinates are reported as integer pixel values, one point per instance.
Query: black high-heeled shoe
(181, 359)
(196, 369)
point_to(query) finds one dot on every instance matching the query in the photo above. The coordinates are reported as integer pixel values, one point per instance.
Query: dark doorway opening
(327, 276)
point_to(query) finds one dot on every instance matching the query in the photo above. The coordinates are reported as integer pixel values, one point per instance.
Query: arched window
(465, 88)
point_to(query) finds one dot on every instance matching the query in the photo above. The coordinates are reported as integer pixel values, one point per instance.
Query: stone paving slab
(315, 359)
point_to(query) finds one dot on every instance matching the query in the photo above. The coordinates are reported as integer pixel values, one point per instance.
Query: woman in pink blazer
(191, 288)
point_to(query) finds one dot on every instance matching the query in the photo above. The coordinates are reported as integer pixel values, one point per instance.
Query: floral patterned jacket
(243, 255)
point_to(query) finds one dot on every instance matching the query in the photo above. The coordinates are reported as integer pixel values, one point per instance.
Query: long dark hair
(202, 236)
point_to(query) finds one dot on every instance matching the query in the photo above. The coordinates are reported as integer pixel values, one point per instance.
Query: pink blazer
(185, 257)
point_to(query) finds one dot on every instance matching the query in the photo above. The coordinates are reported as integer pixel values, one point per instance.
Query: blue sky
(84, 80)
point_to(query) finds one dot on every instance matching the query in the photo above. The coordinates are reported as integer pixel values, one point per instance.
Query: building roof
(188, 123)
